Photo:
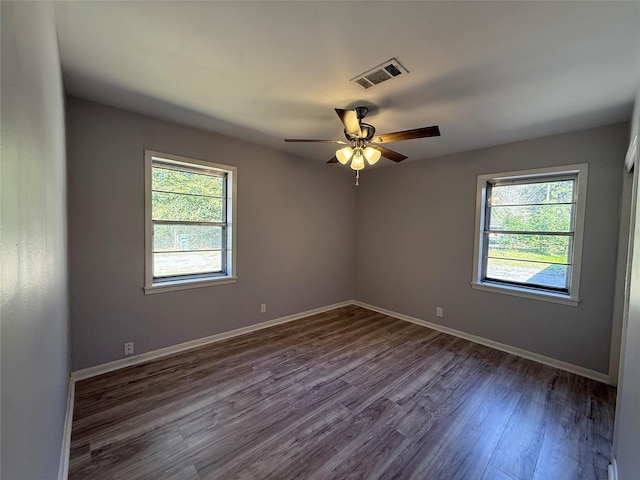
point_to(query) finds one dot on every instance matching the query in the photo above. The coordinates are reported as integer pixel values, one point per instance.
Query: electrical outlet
(439, 312)
(263, 307)
(128, 349)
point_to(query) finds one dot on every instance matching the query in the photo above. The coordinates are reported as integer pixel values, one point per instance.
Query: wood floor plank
(471, 447)
(324, 453)
(370, 457)
(346, 394)
(446, 446)
(156, 454)
(214, 452)
(492, 473)
(289, 448)
(517, 452)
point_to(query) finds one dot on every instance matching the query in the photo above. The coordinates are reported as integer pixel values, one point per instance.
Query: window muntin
(529, 227)
(190, 206)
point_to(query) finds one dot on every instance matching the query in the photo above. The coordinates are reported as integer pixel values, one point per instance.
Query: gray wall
(415, 234)
(626, 442)
(295, 236)
(34, 346)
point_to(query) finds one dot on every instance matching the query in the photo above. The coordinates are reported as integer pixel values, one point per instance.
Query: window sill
(526, 293)
(187, 284)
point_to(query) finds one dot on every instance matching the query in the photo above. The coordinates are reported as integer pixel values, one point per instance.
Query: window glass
(528, 234)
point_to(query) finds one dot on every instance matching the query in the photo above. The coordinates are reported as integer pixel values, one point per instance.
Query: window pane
(537, 218)
(186, 237)
(187, 182)
(523, 194)
(541, 248)
(185, 263)
(175, 206)
(543, 274)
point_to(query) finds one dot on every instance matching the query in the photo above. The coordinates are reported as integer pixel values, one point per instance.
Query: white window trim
(572, 298)
(167, 286)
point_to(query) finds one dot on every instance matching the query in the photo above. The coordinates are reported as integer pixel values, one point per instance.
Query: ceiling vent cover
(386, 71)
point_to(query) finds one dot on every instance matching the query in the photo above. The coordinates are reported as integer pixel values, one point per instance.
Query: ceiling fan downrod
(361, 112)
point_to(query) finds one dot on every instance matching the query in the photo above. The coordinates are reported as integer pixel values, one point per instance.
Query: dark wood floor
(342, 395)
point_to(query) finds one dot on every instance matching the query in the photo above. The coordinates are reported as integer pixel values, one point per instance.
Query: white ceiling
(485, 72)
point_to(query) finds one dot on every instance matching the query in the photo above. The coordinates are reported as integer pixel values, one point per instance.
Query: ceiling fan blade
(333, 160)
(390, 154)
(408, 134)
(350, 120)
(340, 142)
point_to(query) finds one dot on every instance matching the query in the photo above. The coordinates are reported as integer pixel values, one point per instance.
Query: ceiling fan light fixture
(344, 155)
(372, 155)
(358, 160)
(360, 137)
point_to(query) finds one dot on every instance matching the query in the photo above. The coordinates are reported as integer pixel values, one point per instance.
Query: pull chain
(357, 178)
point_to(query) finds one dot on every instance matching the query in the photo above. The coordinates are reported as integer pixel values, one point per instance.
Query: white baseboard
(63, 472)
(163, 352)
(613, 470)
(536, 357)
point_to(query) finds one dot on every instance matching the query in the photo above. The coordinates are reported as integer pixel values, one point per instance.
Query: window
(190, 218)
(529, 228)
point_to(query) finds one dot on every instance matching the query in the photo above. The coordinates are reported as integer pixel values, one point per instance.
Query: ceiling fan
(363, 143)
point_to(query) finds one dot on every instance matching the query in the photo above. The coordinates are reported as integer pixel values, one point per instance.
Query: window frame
(153, 285)
(571, 297)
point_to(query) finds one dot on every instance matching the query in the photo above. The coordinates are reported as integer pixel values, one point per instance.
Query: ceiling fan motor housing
(368, 131)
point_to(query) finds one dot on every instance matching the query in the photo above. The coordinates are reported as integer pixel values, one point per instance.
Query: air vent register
(386, 71)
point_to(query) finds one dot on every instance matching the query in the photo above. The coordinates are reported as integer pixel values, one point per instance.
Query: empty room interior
(320, 240)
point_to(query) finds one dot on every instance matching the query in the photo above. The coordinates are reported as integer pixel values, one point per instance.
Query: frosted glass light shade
(344, 154)
(358, 160)
(372, 155)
